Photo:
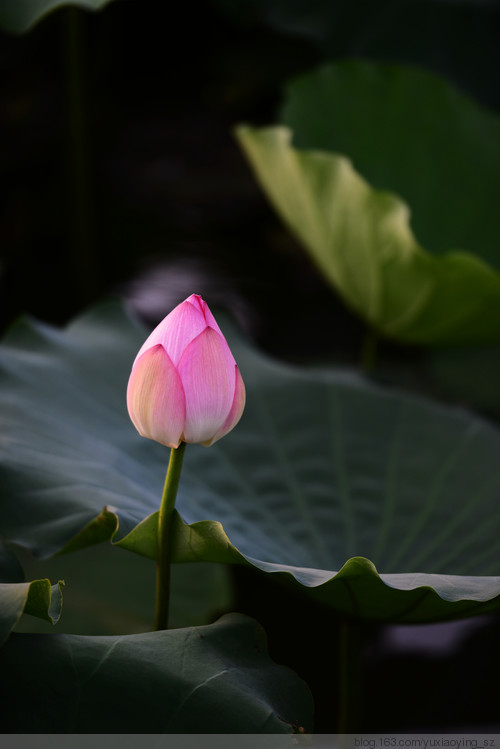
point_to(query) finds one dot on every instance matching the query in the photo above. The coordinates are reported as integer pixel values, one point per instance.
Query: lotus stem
(164, 553)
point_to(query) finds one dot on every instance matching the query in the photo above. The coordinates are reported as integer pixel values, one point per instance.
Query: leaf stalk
(164, 552)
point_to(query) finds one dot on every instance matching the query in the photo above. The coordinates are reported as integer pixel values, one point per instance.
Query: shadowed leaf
(212, 679)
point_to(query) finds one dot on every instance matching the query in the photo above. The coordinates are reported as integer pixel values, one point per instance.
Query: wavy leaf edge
(207, 541)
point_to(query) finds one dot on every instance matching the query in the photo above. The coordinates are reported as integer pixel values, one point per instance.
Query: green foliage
(325, 472)
(18, 16)
(37, 598)
(65, 413)
(411, 133)
(438, 158)
(212, 679)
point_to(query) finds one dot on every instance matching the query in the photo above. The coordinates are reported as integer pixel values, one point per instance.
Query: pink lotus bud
(185, 384)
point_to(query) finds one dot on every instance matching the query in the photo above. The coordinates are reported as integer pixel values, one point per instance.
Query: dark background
(120, 176)
(117, 152)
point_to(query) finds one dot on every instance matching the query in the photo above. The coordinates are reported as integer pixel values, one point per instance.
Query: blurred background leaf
(425, 142)
(411, 133)
(361, 240)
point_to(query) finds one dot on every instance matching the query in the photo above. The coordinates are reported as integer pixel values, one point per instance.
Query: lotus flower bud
(185, 384)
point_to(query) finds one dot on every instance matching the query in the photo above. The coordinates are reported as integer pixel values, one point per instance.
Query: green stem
(164, 536)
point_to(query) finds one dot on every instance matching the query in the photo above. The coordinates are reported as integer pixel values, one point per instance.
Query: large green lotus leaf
(18, 16)
(361, 239)
(212, 679)
(325, 472)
